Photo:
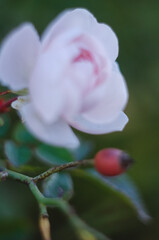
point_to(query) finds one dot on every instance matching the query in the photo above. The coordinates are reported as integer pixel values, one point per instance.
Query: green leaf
(17, 154)
(58, 185)
(83, 150)
(22, 135)
(4, 128)
(91, 234)
(53, 155)
(103, 207)
(125, 186)
(85, 232)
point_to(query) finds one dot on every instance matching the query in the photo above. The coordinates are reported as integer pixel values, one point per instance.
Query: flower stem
(43, 210)
(43, 200)
(4, 93)
(62, 167)
(83, 231)
(5, 173)
(5, 105)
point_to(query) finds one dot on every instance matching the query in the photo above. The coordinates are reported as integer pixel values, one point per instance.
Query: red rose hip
(112, 162)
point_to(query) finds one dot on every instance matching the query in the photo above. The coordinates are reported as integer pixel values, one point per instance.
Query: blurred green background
(136, 24)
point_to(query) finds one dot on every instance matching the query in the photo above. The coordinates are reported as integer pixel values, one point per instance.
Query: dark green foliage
(4, 128)
(17, 154)
(125, 186)
(59, 185)
(53, 155)
(21, 135)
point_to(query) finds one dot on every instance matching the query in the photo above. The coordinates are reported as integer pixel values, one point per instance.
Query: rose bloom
(71, 76)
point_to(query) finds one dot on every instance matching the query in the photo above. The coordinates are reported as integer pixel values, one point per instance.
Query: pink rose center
(86, 55)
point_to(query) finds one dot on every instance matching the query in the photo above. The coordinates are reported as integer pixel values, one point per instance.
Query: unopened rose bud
(112, 162)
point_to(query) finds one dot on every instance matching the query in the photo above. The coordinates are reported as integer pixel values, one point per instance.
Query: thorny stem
(18, 176)
(44, 202)
(43, 210)
(62, 167)
(75, 221)
(29, 180)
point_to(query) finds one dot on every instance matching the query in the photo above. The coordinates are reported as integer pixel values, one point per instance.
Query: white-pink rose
(71, 76)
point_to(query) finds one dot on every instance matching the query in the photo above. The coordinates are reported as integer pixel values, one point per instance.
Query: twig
(4, 93)
(62, 167)
(5, 105)
(81, 228)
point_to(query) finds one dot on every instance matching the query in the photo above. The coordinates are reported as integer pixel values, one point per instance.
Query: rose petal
(18, 55)
(84, 125)
(84, 20)
(73, 101)
(111, 97)
(59, 133)
(50, 84)
(69, 19)
(109, 40)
